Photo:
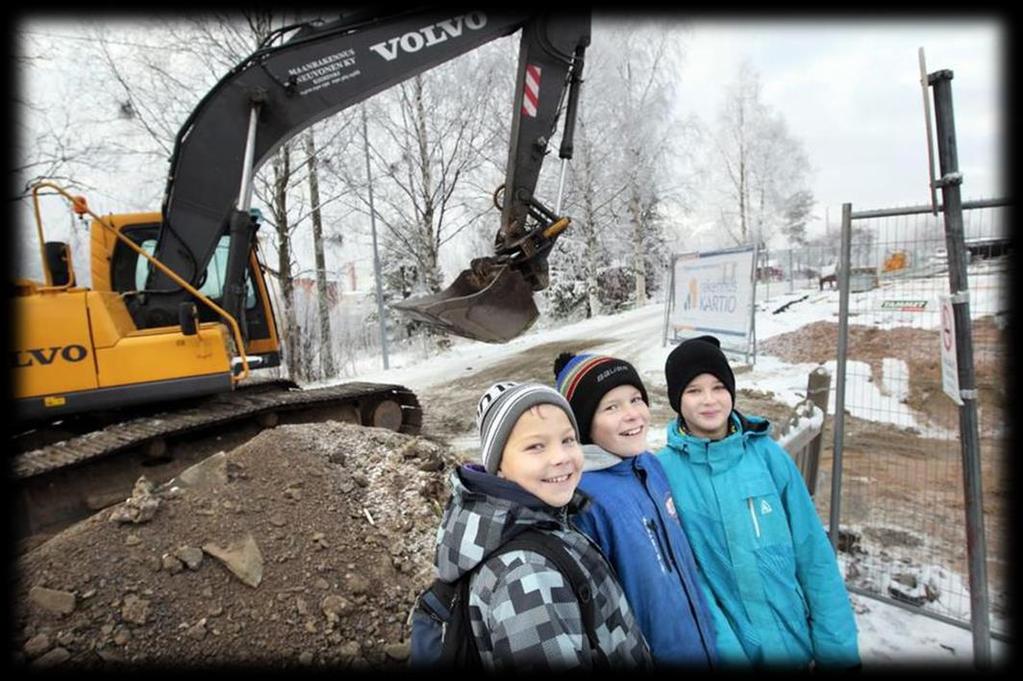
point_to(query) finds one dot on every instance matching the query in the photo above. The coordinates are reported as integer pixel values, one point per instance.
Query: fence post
(842, 278)
(976, 546)
(818, 385)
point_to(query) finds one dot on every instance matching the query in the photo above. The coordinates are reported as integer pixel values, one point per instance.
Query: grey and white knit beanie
(501, 406)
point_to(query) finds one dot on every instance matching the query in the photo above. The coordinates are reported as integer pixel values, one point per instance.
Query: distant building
(308, 286)
(990, 247)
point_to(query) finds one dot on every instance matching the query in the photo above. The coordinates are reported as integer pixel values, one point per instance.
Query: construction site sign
(712, 293)
(904, 305)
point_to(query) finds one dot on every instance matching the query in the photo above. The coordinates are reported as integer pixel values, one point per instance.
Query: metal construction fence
(877, 252)
(903, 521)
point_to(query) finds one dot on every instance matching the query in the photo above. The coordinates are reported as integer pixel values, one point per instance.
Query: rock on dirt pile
(304, 546)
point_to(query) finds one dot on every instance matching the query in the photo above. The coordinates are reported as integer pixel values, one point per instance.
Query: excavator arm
(323, 68)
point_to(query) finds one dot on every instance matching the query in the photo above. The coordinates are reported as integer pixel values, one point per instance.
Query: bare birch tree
(323, 300)
(648, 68)
(627, 145)
(434, 134)
(762, 165)
(429, 140)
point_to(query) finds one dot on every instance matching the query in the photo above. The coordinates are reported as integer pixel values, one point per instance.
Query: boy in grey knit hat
(524, 613)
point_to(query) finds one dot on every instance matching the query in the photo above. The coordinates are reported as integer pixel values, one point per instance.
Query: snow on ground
(895, 378)
(414, 370)
(889, 635)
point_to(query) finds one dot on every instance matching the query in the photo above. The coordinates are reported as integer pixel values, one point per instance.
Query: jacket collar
(596, 458)
(718, 454)
(483, 512)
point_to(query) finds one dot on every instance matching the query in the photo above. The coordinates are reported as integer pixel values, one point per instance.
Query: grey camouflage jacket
(523, 613)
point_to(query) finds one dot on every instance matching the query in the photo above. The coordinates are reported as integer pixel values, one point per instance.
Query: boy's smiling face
(543, 456)
(621, 421)
(705, 406)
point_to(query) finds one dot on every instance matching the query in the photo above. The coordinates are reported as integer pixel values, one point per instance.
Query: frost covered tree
(433, 146)
(647, 71)
(49, 144)
(625, 170)
(796, 212)
(592, 196)
(761, 164)
(432, 135)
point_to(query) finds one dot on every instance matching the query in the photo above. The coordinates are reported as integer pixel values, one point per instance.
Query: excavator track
(59, 481)
(224, 409)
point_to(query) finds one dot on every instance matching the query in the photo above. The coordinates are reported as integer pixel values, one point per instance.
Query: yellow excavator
(164, 342)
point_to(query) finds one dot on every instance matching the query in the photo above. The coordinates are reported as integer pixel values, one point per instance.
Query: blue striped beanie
(585, 379)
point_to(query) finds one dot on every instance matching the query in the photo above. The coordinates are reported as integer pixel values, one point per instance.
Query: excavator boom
(492, 300)
(324, 68)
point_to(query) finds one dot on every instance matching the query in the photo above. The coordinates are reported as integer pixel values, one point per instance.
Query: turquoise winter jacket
(761, 548)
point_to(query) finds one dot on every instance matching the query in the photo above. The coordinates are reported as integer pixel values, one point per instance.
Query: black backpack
(441, 633)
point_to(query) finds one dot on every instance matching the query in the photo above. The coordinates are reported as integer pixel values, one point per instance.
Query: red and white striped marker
(531, 93)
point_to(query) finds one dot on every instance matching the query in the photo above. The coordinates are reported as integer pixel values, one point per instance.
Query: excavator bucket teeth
(492, 312)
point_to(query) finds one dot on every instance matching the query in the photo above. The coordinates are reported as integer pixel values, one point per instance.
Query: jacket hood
(719, 454)
(485, 511)
(596, 458)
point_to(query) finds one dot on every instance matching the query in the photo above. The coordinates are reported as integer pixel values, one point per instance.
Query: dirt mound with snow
(919, 349)
(304, 546)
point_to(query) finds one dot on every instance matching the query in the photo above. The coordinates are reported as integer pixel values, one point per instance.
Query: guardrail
(801, 433)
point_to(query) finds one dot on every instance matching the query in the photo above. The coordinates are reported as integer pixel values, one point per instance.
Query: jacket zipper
(662, 545)
(655, 538)
(753, 514)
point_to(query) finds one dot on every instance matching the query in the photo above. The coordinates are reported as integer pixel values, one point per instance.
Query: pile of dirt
(817, 342)
(920, 350)
(304, 546)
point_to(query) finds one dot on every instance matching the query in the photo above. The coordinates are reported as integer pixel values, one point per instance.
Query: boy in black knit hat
(632, 516)
(753, 526)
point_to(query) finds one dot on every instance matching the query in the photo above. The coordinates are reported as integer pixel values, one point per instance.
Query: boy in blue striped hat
(632, 516)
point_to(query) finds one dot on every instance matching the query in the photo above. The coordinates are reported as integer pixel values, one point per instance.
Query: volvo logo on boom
(427, 36)
(33, 356)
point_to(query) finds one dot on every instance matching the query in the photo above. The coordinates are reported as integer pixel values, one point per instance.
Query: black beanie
(585, 379)
(701, 355)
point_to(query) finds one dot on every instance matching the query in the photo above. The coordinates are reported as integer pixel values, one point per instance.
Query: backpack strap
(441, 630)
(466, 652)
(553, 548)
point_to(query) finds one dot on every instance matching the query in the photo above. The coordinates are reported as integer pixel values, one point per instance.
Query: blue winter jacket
(633, 519)
(761, 547)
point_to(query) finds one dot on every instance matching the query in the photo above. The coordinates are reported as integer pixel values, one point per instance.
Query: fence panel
(902, 526)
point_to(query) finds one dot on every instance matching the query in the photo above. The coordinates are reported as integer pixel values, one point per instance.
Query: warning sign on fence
(904, 305)
(949, 359)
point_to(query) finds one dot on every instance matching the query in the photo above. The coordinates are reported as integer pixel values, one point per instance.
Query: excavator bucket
(494, 309)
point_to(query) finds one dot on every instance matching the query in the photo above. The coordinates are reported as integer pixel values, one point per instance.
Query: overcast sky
(850, 92)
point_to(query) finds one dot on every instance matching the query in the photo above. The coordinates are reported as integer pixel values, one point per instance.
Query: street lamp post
(373, 229)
